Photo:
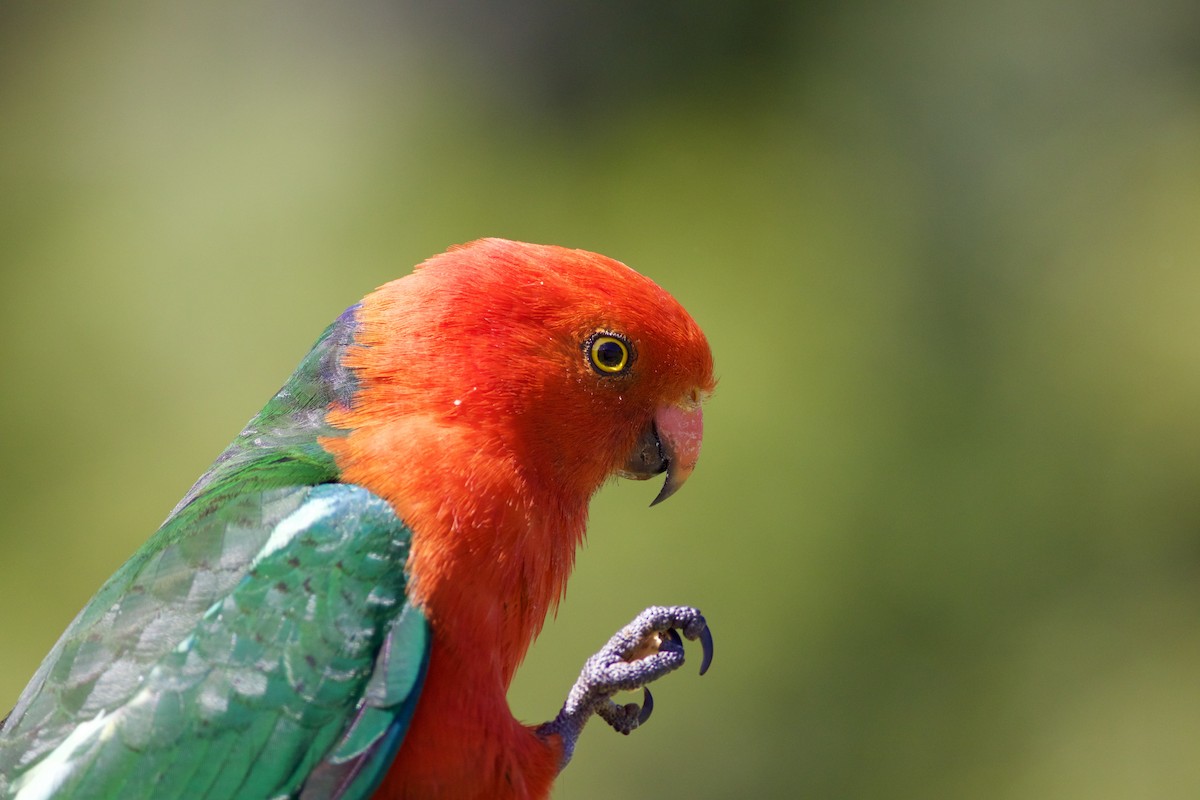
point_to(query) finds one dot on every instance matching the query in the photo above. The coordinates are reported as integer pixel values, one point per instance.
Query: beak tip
(668, 488)
(675, 480)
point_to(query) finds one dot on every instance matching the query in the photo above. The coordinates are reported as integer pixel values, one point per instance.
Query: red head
(560, 358)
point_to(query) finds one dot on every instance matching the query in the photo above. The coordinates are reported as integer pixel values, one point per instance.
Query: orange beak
(671, 444)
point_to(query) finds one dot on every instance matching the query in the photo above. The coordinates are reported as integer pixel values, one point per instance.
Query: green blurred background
(947, 523)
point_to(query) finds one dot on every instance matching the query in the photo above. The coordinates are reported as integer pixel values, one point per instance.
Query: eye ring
(608, 353)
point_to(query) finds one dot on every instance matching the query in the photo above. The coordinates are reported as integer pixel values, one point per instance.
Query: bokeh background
(947, 523)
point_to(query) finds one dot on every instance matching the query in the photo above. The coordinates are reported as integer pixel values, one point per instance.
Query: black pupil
(610, 354)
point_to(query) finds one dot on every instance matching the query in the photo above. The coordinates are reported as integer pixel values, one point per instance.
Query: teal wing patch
(357, 765)
(268, 651)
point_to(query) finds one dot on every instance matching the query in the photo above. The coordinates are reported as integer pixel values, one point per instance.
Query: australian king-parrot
(337, 607)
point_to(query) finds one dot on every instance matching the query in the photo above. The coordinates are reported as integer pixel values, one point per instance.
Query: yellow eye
(609, 354)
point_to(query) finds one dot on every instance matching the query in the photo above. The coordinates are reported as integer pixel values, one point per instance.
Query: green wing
(269, 652)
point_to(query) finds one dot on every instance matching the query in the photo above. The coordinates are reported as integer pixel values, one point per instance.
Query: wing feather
(268, 649)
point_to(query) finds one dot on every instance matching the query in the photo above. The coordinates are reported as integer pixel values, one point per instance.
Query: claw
(706, 644)
(645, 650)
(704, 634)
(647, 706)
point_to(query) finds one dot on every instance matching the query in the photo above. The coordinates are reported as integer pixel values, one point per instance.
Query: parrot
(338, 606)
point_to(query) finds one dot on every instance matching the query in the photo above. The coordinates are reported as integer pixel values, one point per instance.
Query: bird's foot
(640, 653)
